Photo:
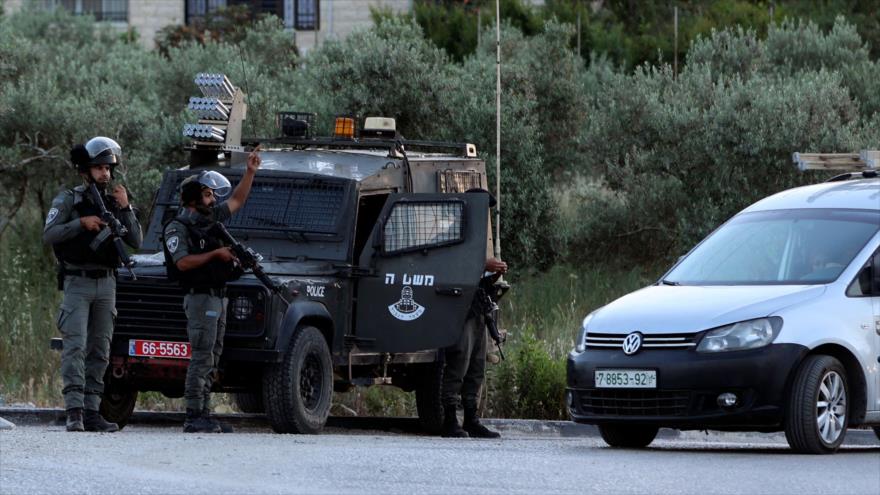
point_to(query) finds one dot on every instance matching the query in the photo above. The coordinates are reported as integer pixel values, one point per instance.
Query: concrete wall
(147, 17)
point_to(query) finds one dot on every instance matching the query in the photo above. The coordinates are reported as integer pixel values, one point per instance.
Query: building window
(306, 15)
(196, 10)
(102, 10)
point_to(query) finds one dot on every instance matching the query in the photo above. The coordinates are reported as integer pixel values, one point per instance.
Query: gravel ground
(160, 459)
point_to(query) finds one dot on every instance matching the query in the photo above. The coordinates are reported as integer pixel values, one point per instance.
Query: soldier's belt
(90, 273)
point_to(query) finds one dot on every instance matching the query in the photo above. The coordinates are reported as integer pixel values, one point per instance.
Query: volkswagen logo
(632, 343)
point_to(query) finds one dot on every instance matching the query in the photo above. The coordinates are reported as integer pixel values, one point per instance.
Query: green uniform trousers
(205, 327)
(86, 324)
(465, 365)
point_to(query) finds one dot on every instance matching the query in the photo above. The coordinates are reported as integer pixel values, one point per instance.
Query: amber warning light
(344, 128)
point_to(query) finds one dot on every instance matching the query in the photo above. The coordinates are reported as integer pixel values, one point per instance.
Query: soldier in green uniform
(202, 263)
(87, 262)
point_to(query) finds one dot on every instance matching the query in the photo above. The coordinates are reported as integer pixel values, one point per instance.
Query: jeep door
(427, 253)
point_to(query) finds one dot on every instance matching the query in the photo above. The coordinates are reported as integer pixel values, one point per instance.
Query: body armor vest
(78, 249)
(213, 274)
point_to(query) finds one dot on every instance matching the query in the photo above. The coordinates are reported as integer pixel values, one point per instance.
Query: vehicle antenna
(247, 88)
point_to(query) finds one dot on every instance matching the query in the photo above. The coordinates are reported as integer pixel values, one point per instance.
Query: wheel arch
(307, 313)
(858, 387)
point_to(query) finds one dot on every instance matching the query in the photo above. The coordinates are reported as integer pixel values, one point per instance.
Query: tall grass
(29, 370)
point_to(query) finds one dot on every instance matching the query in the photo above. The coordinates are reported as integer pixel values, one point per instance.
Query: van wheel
(817, 410)
(628, 436)
(297, 391)
(428, 404)
(116, 407)
(249, 402)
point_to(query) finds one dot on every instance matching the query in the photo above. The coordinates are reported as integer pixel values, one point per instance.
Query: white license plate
(159, 349)
(626, 379)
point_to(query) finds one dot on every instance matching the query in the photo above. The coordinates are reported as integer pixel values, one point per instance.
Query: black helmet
(97, 151)
(191, 187)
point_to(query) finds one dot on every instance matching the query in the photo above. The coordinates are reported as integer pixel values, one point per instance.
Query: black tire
(428, 404)
(297, 392)
(117, 406)
(628, 436)
(250, 402)
(805, 431)
(877, 432)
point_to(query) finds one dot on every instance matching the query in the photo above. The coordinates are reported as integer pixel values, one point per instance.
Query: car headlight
(750, 334)
(580, 345)
(242, 307)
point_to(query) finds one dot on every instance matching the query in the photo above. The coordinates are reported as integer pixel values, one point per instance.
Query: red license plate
(159, 349)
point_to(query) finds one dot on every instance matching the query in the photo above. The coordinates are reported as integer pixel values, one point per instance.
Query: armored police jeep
(371, 240)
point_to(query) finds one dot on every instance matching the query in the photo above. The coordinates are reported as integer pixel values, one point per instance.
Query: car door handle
(449, 291)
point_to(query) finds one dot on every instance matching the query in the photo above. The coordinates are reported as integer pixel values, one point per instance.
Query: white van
(771, 323)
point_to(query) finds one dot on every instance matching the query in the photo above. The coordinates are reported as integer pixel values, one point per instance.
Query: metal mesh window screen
(422, 225)
(304, 206)
(458, 181)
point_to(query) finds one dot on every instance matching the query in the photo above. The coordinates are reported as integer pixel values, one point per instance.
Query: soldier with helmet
(198, 258)
(87, 263)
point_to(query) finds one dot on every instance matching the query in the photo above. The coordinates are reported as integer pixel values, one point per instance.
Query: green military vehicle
(373, 246)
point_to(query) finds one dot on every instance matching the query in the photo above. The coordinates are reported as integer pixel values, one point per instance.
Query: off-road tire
(801, 420)
(628, 436)
(428, 404)
(250, 402)
(116, 407)
(306, 363)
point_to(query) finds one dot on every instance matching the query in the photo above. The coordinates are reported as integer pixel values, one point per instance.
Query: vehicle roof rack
(466, 150)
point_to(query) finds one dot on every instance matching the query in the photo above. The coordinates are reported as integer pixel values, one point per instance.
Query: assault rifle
(250, 260)
(489, 292)
(114, 229)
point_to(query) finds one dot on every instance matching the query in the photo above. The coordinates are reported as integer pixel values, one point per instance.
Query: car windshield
(808, 246)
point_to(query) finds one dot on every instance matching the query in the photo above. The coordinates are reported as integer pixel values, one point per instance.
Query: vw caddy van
(771, 323)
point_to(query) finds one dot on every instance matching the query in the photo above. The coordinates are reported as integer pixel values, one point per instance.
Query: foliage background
(613, 163)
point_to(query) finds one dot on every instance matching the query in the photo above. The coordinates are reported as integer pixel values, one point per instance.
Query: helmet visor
(105, 147)
(216, 182)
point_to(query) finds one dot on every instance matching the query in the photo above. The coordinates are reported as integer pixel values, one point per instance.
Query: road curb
(514, 427)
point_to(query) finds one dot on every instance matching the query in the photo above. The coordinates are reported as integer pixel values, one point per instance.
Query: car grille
(654, 341)
(154, 308)
(634, 402)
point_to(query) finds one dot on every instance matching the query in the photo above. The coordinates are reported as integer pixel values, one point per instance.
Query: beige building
(309, 21)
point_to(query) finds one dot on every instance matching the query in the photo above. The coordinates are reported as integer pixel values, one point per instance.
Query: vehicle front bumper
(688, 385)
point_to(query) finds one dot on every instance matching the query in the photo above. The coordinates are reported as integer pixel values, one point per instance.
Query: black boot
(451, 429)
(473, 426)
(224, 427)
(196, 423)
(93, 421)
(75, 419)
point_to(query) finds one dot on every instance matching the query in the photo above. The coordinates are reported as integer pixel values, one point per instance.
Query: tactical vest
(78, 249)
(213, 274)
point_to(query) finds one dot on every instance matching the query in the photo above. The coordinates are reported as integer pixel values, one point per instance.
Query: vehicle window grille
(458, 181)
(619, 402)
(305, 206)
(418, 225)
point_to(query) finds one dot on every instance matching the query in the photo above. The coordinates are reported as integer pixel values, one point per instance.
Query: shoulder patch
(51, 216)
(172, 243)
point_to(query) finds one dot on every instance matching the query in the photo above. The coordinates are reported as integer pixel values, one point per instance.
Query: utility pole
(579, 31)
(498, 128)
(479, 24)
(675, 49)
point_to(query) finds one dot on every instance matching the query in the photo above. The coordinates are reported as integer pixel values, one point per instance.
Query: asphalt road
(160, 459)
